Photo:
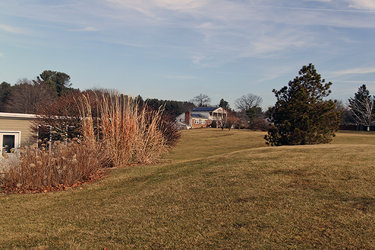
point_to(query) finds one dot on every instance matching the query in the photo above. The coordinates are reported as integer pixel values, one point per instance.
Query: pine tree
(224, 104)
(301, 115)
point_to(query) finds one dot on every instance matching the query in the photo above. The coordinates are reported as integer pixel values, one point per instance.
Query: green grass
(217, 189)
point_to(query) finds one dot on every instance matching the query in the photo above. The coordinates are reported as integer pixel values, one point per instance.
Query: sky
(177, 49)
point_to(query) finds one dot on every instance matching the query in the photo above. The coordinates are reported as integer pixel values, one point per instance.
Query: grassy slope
(216, 189)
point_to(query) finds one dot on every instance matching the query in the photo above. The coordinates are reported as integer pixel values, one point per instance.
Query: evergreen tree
(224, 104)
(253, 113)
(5, 89)
(301, 115)
(58, 81)
(171, 108)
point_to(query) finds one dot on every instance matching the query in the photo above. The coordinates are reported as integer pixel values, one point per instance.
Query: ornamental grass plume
(127, 132)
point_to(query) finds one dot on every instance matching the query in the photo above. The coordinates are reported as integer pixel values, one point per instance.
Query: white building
(202, 117)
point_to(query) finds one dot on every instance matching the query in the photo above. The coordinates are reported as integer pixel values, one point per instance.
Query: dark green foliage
(58, 81)
(256, 119)
(254, 112)
(5, 89)
(171, 108)
(139, 100)
(301, 115)
(224, 104)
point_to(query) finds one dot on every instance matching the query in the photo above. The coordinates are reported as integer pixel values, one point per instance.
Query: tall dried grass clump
(126, 132)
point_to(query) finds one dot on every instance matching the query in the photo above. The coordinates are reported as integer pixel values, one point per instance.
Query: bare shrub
(41, 169)
(60, 120)
(169, 129)
(259, 123)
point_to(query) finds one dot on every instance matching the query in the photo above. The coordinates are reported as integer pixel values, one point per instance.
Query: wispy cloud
(180, 77)
(257, 29)
(260, 42)
(362, 4)
(208, 32)
(84, 29)
(11, 29)
(364, 70)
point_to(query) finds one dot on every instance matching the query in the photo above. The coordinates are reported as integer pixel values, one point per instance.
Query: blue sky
(176, 49)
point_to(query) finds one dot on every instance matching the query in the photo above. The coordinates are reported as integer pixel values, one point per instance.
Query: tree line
(298, 105)
(26, 95)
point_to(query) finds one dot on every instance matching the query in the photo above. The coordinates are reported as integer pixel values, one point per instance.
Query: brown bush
(63, 166)
(61, 117)
(259, 123)
(169, 130)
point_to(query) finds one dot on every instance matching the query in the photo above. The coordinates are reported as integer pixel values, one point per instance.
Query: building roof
(198, 116)
(205, 109)
(17, 115)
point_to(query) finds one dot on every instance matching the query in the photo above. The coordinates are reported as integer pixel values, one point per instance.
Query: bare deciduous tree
(201, 100)
(26, 95)
(248, 101)
(362, 107)
(248, 106)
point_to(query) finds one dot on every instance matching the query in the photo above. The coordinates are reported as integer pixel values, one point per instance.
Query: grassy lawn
(216, 189)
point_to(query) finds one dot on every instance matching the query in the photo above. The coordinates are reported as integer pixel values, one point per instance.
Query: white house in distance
(201, 117)
(15, 130)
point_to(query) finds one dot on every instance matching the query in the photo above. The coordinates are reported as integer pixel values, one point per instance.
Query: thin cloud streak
(12, 29)
(359, 71)
(362, 4)
(179, 77)
(84, 29)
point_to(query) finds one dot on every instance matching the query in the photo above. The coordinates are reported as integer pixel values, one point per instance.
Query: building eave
(18, 115)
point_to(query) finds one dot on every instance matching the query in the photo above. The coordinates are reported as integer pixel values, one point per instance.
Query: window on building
(9, 142)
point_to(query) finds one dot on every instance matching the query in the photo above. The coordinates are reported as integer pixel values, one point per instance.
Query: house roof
(205, 109)
(17, 115)
(198, 116)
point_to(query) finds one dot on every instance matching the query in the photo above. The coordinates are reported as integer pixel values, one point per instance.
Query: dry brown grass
(244, 196)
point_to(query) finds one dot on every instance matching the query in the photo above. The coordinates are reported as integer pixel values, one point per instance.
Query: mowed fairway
(216, 189)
